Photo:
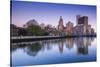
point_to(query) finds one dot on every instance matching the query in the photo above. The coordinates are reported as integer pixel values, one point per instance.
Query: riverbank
(36, 38)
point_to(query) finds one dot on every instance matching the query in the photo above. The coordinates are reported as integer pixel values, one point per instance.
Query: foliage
(36, 30)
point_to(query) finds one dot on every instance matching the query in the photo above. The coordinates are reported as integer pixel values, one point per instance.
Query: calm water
(54, 51)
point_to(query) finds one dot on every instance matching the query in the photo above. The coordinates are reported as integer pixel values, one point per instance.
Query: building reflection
(82, 50)
(80, 44)
(48, 44)
(69, 43)
(61, 45)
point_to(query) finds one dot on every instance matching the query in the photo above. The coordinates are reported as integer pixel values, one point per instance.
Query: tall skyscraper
(85, 20)
(82, 24)
(77, 18)
(60, 25)
(82, 20)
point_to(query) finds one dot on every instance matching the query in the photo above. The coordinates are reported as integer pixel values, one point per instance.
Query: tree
(35, 30)
(22, 32)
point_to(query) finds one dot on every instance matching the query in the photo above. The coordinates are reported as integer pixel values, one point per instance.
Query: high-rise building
(82, 25)
(78, 30)
(77, 18)
(69, 28)
(92, 31)
(60, 25)
(89, 29)
(85, 20)
(82, 20)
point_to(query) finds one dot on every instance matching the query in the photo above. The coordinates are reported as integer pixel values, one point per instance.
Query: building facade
(60, 25)
(69, 28)
(82, 27)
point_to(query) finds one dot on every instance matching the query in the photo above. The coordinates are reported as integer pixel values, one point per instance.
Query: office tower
(60, 25)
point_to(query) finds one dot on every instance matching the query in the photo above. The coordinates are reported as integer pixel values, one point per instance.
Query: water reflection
(17, 46)
(69, 43)
(82, 45)
(53, 51)
(33, 48)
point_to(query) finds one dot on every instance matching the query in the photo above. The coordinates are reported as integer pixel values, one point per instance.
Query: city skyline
(49, 13)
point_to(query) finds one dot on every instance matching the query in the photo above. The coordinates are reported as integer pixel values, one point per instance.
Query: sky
(49, 13)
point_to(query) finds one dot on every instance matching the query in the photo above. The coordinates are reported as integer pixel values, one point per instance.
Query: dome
(32, 22)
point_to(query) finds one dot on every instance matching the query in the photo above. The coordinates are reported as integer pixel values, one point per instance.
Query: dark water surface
(53, 51)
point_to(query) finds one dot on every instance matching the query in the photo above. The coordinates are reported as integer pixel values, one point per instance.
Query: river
(65, 50)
